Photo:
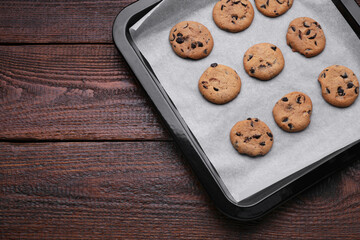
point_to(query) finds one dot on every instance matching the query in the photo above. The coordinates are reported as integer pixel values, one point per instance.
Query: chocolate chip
(267, 2)
(175, 29)
(247, 139)
(200, 44)
(216, 89)
(257, 136)
(236, 2)
(357, 90)
(315, 43)
(256, 120)
(300, 35)
(285, 119)
(250, 57)
(340, 91)
(328, 91)
(344, 75)
(182, 50)
(263, 6)
(233, 22)
(273, 48)
(238, 134)
(308, 32)
(313, 36)
(350, 85)
(319, 26)
(193, 45)
(245, 5)
(179, 35)
(248, 119)
(204, 86)
(214, 65)
(293, 28)
(309, 111)
(279, 2)
(186, 25)
(269, 134)
(205, 51)
(235, 17)
(173, 37)
(180, 40)
(285, 99)
(252, 124)
(252, 70)
(290, 126)
(262, 144)
(323, 75)
(222, 7)
(298, 100)
(306, 24)
(262, 66)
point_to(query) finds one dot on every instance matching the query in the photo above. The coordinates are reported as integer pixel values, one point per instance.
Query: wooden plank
(62, 21)
(72, 92)
(146, 190)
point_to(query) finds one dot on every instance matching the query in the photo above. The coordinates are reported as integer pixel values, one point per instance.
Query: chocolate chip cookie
(219, 84)
(306, 36)
(233, 15)
(273, 8)
(251, 137)
(293, 111)
(339, 85)
(191, 40)
(263, 61)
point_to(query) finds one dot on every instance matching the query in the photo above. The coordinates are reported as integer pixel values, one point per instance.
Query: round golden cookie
(191, 40)
(273, 8)
(306, 36)
(251, 137)
(339, 86)
(233, 15)
(293, 111)
(219, 84)
(263, 61)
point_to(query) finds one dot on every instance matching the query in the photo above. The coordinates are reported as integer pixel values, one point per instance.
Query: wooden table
(84, 154)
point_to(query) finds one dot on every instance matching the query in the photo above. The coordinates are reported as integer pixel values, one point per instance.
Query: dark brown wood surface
(84, 154)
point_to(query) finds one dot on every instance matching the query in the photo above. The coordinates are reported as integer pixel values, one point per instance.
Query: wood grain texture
(76, 92)
(119, 190)
(60, 21)
(146, 190)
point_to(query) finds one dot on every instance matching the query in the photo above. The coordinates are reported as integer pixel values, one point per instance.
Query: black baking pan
(262, 202)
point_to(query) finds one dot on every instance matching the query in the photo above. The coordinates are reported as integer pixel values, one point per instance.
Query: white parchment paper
(331, 128)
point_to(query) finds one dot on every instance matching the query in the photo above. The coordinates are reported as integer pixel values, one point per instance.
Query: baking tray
(263, 201)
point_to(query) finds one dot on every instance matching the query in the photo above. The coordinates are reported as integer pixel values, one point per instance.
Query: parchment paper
(331, 128)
